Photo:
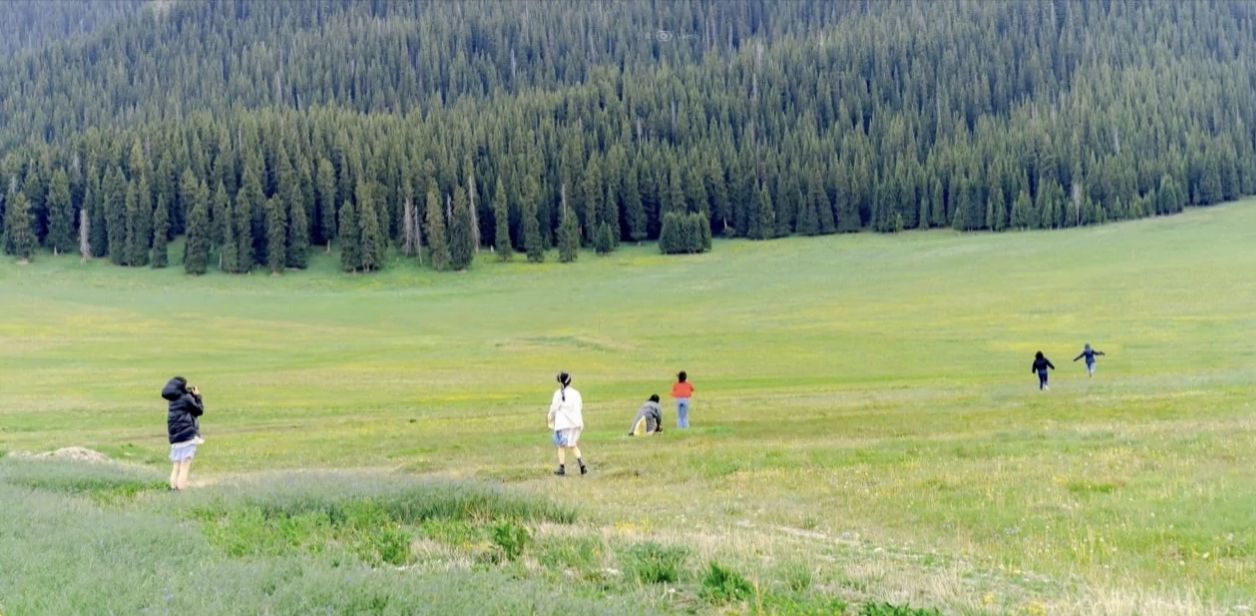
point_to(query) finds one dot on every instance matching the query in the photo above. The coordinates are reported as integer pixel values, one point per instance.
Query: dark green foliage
(890, 609)
(511, 539)
(532, 242)
(196, 250)
(371, 243)
(654, 563)
(139, 222)
(115, 216)
(276, 236)
(350, 242)
(437, 238)
(161, 233)
(298, 241)
(19, 236)
(568, 236)
(325, 191)
(762, 223)
(61, 219)
(501, 221)
(633, 208)
(604, 242)
(461, 239)
(735, 128)
(722, 585)
(1022, 212)
(685, 233)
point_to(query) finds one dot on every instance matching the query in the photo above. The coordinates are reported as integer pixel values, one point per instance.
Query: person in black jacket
(183, 426)
(1041, 363)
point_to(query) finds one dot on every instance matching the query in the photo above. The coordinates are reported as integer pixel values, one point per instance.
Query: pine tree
(532, 241)
(1022, 211)
(808, 217)
(161, 236)
(592, 193)
(437, 239)
(140, 236)
(762, 226)
(298, 230)
(115, 216)
(94, 199)
(372, 245)
(325, 179)
(501, 219)
(196, 249)
(633, 208)
(276, 236)
(819, 203)
(224, 229)
(249, 202)
(604, 243)
(461, 239)
(349, 238)
(996, 210)
(19, 233)
(669, 234)
(704, 232)
(60, 214)
(568, 234)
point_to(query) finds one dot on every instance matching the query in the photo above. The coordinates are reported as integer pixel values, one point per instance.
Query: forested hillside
(263, 130)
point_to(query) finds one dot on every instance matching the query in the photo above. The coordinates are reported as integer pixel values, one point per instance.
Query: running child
(1090, 355)
(1041, 363)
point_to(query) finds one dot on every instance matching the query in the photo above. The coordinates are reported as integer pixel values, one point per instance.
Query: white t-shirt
(564, 414)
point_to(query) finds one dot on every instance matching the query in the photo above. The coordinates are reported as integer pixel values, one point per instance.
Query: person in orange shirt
(682, 391)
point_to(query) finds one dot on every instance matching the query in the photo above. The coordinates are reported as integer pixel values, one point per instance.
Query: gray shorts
(182, 452)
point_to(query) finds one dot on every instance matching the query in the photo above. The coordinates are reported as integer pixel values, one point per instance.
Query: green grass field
(866, 430)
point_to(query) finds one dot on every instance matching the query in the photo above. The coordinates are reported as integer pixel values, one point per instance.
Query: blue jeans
(682, 412)
(1042, 379)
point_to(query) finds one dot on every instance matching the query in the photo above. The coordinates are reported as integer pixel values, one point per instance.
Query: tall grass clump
(375, 519)
(654, 563)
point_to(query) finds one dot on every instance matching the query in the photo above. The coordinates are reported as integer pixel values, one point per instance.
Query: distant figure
(682, 391)
(183, 426)
(1041, 363)
(566, 419)
(649, 419)
(1090, 355)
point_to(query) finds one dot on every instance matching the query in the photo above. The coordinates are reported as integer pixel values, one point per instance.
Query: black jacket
(1041, 365)
(181, 420)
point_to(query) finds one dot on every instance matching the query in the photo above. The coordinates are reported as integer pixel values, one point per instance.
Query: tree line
(747, 120)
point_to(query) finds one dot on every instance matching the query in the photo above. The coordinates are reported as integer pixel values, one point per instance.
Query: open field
(866, 429)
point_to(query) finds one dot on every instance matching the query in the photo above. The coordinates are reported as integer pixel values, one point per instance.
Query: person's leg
(174, 476)
(580, 460)
(1090, 370)
(1042, 380)
(682, 412)
(185, 467)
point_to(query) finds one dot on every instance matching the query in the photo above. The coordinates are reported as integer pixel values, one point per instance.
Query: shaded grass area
(330, 543)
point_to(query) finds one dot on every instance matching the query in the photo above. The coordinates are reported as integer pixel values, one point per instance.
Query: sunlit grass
(863, 403)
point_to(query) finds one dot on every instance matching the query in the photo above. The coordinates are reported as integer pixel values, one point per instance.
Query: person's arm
(555, 404)
(1081, 355)
(1100, 353)
(1050, 365)
(195, 406)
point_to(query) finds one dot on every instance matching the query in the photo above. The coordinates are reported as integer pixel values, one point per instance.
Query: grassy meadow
(867, 434)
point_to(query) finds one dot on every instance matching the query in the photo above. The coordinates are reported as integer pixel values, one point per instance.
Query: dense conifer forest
(264, 130)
